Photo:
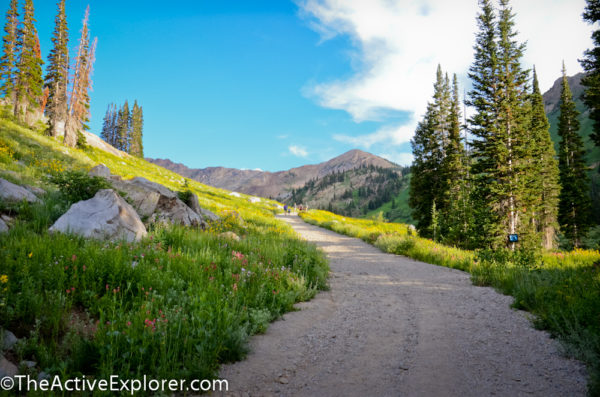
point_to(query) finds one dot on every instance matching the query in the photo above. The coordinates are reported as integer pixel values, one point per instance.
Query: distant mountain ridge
(278, 185)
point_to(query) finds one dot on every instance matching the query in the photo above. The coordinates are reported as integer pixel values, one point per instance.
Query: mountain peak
(276, 184)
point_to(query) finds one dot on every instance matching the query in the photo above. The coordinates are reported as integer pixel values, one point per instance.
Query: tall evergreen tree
(137, 125)
(591, 64)
(29, 77)
(428, 147)
(8, 61)
(57, 74)
(455, 218)
(542, 175)
(574, 211)
(515, 150)
(79, 102)
(483, 98)
(106, 133)
(123, 128)
(501, 153)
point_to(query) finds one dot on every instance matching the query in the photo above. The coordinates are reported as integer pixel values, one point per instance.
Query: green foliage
(591, 64)
(8, 61)
(574, 213)
(57, 71)
(78, 185)
(542, 175)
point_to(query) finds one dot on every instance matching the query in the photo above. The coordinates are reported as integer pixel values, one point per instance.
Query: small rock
(28, 364)
(9, 340)
(230, 236)
(43, 375)
(100, 170)
(283, 380)
(7, 368)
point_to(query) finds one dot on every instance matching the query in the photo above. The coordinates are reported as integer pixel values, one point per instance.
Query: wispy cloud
(398, 44)
(298, 151)
(395, 135)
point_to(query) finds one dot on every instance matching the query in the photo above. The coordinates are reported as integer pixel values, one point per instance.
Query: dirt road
(392, 326)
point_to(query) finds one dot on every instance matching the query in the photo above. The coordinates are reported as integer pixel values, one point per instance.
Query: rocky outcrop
(105, 216)
(3, 226)
(15, 193)
(157, 203)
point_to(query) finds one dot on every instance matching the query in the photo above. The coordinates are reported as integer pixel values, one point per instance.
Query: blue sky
(278, 84)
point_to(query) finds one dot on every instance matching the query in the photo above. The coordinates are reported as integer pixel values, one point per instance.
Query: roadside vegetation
(174, 305)
(561, 288)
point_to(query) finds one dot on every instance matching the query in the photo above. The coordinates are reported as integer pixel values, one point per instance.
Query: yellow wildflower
(3, 279)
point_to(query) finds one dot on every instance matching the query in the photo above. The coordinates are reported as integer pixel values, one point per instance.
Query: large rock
(15, 193)
(155, 201)
(3, 226)
(105, 216)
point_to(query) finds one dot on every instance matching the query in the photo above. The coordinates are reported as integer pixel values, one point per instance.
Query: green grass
(562, 289)
(174, 305)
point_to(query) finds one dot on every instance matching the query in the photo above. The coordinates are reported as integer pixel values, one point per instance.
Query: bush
(78, 185)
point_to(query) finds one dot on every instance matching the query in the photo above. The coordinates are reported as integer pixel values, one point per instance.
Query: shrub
(77, 185)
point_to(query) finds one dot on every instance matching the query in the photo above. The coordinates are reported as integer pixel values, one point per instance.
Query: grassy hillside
(396, 210)
(561, 288)
(172, 306)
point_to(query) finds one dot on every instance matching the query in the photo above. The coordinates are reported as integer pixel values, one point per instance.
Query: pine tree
(455, 216)
(123, 128)
(574, 211)
(483, 97)
(29, 76)
(8, 61)
(57, 74)
(106, 133)
(542, 175)
(79, 102)
(591, 64)
(499, 96)
(428, 151)
(137, 126)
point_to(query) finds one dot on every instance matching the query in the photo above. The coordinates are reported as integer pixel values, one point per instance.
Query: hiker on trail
(285, 209)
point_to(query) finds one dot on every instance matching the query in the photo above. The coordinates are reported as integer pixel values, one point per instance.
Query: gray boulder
(3, 226)
(105, 216)
(161, 205)
(15, 193)
(100, 170)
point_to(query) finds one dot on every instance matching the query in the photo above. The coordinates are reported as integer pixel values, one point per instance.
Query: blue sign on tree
(513, 238)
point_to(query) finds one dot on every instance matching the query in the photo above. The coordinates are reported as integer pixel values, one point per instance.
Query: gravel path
(392, 326)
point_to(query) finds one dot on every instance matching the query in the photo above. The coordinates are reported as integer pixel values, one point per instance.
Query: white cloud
(398, 44)
(402, 158)
(297, 151)
(394, 135)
